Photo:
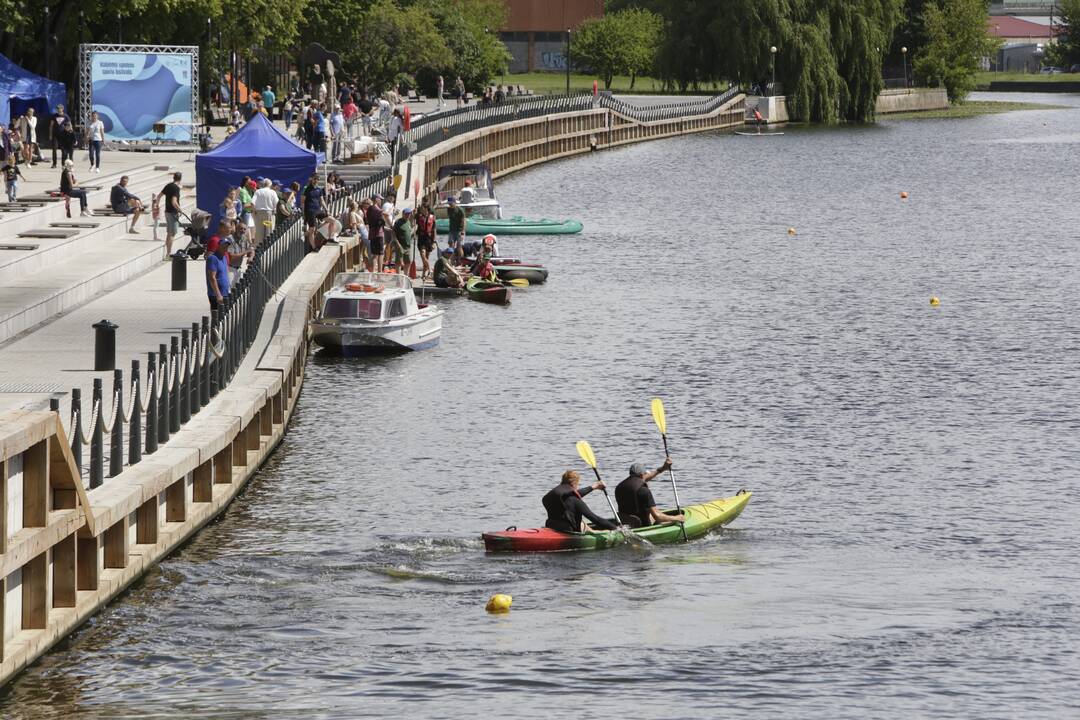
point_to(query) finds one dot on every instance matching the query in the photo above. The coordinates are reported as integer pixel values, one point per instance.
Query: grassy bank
(983, 79)
(971, 108)
(546, 83)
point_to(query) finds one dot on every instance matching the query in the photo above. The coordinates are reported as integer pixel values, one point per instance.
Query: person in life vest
(758, 119)
(491, 245)
(637, 508)
(566, 509)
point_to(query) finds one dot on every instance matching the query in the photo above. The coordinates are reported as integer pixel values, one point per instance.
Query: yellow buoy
(791, 231)
(499, 603)
(903, 194)
(934, 302)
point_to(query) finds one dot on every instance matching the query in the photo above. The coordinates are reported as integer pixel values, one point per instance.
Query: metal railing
(433, 129)
(183, 376)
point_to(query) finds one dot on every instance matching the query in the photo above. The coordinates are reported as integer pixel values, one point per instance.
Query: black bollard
(135, 422)
(97, 437)
(179, 271)
(116, 438)
(104, 345)
(152, 375)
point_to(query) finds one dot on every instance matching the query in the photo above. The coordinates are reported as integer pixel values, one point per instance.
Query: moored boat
(473, 188)
(372, 312)
(514, 269)
(514, 226)
(487, 291)
(700, 520)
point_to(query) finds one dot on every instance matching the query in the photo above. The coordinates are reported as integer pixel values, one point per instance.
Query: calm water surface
(910, 550)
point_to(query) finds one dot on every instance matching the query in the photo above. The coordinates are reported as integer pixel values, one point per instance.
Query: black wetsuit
(634, 499)
(565, 508)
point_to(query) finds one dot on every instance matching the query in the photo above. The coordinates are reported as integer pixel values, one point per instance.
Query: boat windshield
(350, 308)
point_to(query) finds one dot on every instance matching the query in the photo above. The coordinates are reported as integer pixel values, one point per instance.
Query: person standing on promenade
(403, 236)
(566, 510)
(95, 135)
(66, 135)
(393, 132)
(265, 203)
(269, 99)
(171, 193)
(459, 91)
(365, 107)
(11, 174)
(425, 236)
(312, 201)
(28, 130)
(217, 271)
(337, 135)
(124, 202)
(56, 128)
(376, 224)
(440, 89)
(70, 187)
(456, 231)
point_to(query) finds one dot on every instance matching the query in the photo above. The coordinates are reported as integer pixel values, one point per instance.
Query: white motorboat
(473, 188)
(375, 312)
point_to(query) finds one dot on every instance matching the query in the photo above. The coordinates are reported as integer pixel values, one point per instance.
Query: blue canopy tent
(22, 89)
(258, 149)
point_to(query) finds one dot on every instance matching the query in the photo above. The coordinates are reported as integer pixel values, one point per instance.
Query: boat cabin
(473, 187)
(370, 297)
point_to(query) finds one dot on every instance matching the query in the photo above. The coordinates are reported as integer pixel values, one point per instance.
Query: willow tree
(828, 57)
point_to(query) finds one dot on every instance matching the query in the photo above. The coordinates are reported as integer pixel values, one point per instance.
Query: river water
(910, 547)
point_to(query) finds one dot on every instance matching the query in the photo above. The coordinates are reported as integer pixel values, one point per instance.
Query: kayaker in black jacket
(637, 507)
(565, 508)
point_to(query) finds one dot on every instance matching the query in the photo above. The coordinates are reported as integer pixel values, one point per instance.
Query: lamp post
(567, 61)
(206, 72)
(903, 53)
(772, 65)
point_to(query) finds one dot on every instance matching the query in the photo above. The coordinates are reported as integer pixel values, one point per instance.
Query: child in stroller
(197, 229)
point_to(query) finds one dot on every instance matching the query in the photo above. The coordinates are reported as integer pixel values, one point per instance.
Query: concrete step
(108, 257)
(13, 264)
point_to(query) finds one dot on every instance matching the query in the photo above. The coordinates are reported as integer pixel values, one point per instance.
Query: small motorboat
(487, 291)
(474, 189)
(515, 269)
(372, 312)
(514, 226)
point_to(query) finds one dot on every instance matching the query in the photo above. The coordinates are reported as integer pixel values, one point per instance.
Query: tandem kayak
(514, 226)
(700, 519)
(487, 291)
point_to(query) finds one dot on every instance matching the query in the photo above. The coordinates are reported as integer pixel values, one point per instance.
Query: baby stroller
(197, 228)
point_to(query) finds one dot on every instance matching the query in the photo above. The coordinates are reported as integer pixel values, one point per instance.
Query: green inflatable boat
(514, 226)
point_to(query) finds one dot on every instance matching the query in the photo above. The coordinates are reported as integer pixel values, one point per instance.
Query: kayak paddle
(586, 453)
(516, 282)
(661, 423)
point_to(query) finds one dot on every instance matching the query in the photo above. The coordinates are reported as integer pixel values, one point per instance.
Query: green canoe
(700, 519)
(514, 226)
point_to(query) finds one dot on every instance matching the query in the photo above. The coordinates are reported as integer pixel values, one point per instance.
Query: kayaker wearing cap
(565, 508)
(456, 219)
(637, 508)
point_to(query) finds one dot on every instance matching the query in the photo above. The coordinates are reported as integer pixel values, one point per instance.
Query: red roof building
(1013, 29)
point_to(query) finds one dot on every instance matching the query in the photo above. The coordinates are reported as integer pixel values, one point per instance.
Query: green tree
(1066, 51)
(958, 40)
(620, 43)
(469, 28)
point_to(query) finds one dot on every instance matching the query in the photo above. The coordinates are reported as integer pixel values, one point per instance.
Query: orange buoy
(903, 194)
(354, 287)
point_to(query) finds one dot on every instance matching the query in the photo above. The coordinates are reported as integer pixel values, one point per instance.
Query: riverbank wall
(774, 108)
(212, 406)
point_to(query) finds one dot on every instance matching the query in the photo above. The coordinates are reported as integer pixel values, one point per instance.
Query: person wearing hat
(403, 237)
(637, 508)
(217, 270)
(70, 187)
(456, 217)
(566, 510)
(444, 274)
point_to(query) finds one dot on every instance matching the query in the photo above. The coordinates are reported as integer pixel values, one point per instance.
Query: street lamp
(903, 53)
(772, 63)
(567, 61)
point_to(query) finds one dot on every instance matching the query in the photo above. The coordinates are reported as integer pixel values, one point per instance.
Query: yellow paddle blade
(518, 282)
(586, 453)
(658, 415)
(397, 182)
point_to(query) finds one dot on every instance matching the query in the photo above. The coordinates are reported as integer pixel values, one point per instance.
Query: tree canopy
(618, 43)
(957, 39)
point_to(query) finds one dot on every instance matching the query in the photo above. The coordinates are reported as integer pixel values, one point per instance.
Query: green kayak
(514, 226)
(700, 519)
